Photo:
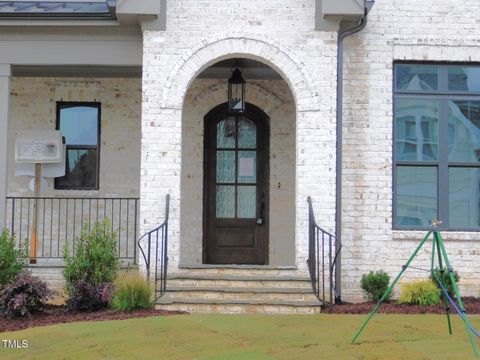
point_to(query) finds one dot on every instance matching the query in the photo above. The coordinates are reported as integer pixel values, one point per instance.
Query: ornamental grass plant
(132, 291)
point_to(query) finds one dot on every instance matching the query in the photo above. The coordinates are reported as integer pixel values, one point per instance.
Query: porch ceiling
(78, 71)
(251, 70)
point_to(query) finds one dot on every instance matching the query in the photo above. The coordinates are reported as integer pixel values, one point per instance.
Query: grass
(216, 336)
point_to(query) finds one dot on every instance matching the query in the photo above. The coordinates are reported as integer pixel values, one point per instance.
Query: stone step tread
(239, 267)
(186, 276)
(166, 301)
(242, 309)
(240, 289)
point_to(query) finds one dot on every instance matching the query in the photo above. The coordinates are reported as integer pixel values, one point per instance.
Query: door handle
(260, 220)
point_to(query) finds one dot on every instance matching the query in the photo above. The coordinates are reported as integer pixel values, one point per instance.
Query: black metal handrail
(62, 219)
(160, 237)
(322, 256)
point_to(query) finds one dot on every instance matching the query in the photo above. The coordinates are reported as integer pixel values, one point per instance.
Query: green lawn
(247, 337)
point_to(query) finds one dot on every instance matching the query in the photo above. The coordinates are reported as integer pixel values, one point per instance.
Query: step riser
(52, 276)
(211, 295)
(238, 283)
(240, 309)
(242, 272)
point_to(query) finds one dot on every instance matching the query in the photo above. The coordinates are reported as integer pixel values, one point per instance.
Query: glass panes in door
(236, 168)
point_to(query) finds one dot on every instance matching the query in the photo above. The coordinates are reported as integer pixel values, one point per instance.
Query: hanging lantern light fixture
(236, 92)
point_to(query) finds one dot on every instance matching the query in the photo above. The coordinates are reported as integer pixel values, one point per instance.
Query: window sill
(447, 235)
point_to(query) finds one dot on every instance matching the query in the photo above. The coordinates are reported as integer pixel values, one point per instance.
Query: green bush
(445, 278)
(12, 260)
(132, 291)
(421, 292)
(95, 261)
(374, 285)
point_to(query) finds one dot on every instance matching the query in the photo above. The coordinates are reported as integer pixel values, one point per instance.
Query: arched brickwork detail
(216, 94)
(266, 50)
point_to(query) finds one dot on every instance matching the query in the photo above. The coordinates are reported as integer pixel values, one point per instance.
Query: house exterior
(371, 110)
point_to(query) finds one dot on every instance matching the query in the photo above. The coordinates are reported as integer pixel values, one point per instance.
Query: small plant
(90, 272)
(86, 297)
(421, 292)
(444, 277)
(12, 260)
(24, 296)
(132, 291)
(95, 260)
(374, 285)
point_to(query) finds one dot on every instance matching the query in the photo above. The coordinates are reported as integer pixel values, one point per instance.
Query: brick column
(4, 108)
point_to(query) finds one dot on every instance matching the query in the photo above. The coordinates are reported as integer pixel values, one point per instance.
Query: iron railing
(61, 221)
(322, 255)
(159, 237)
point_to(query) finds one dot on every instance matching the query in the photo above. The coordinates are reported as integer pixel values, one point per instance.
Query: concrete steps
(237, 290)
(51, 272)
(52, 275)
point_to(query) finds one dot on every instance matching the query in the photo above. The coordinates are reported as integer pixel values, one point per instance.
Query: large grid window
(436, 146)
(79, 123)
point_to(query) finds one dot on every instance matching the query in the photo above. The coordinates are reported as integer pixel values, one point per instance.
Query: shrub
(24, 296)
(95, 260)
(445, 278)
(90, 272)
(132, 291)
(421, 292)
(86, 297)
(12, 260)
(374, 285)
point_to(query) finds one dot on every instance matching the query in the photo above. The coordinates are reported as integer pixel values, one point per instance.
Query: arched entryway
(241, 209)
(302, 142)
(236, 185)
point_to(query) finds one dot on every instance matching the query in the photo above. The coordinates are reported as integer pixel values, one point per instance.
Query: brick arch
(258, 95)
(263, 49)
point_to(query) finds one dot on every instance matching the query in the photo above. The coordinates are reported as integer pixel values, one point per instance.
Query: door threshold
(237, 266)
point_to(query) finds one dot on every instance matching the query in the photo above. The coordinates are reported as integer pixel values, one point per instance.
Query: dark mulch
(472, 306)
(56, 314)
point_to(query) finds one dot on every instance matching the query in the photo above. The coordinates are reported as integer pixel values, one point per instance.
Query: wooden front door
(236, 187)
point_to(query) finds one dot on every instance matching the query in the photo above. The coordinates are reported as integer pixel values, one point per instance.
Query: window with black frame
(436, 146)
(79, 123)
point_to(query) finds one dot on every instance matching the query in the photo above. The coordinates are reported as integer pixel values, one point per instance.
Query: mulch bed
(55, 314)
(472, 306)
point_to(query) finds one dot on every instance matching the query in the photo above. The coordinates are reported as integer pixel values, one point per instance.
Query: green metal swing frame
(438, 248)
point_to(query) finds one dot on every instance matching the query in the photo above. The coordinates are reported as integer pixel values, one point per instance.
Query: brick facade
(200, 33)
(399, 30)
(281, 35)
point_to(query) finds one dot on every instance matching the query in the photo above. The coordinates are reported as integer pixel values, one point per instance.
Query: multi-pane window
(79, 123)
(236, 168)
(437, 146)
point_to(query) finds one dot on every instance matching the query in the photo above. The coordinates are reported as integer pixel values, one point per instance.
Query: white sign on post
(34, 148)
(49, 170)
(38, 147)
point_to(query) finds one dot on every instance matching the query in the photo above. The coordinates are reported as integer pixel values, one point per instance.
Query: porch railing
(61, 220)
(158, 238)
(322, 256)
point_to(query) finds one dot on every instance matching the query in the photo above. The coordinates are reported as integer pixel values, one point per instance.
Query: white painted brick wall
(280, 34)
(200, 33)
(433, 30)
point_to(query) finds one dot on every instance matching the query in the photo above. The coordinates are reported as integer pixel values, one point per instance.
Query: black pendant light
(236, 92)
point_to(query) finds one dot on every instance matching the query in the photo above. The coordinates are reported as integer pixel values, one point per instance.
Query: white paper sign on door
(246, 167)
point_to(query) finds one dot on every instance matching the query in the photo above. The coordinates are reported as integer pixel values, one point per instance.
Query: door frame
(218, 113)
